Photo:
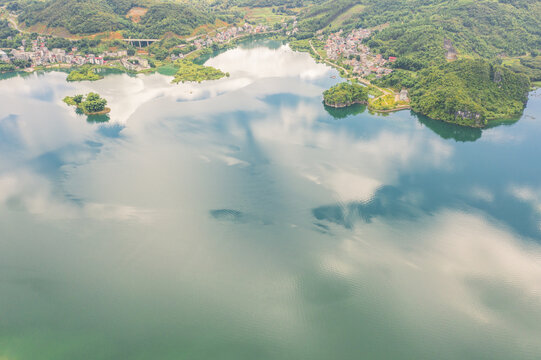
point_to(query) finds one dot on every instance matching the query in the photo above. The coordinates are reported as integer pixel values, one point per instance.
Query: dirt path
(14, 24)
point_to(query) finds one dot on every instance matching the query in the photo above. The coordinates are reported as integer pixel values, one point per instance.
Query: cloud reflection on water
(161, 228)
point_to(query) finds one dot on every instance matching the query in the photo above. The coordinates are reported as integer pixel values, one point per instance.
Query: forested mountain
(265, 3)
(5, 30)
(469, 92)
(92, 16)
(180, 19)
(417, 28)
(484, 28)
(77, 16)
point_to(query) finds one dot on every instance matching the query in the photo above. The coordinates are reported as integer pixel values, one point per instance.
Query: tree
(77, 99)
(92, 96)
(22, 63)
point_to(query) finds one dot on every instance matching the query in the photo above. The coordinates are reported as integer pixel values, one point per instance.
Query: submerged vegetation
(190, 71)
(345, 94)
(91, 104)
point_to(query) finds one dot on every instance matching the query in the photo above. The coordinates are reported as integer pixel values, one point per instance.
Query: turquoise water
(241, 219)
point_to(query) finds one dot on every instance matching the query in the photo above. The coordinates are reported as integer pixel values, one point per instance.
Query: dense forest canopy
(345, 94)
(180, 19)
(417, 28)
(469, 92)
(77, 16)
(93, 16)
(5, 30)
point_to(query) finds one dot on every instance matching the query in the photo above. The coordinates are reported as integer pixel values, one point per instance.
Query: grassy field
(208, 29)
(263, 15)
(337, 23)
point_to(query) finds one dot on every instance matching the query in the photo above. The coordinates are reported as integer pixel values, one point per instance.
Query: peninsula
(190, 71)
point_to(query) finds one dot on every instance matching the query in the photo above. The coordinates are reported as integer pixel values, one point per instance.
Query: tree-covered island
(190, 71)
(345, 94)
(91, 104)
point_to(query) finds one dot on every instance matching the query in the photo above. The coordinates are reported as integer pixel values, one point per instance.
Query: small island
(345, 94)
(91, 104)
(84, 73)
(190, 71)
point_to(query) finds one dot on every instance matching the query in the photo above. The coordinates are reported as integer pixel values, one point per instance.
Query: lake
(241, 219)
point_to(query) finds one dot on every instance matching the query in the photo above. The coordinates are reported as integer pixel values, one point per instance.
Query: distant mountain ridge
(418, 28)
(94, 16)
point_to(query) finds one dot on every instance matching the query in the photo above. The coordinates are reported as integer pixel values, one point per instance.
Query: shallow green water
(241, 219)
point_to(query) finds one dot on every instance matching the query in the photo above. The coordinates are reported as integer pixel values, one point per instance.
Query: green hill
(77, 16)
(469, 92)
(417, 28)
(93, 16)
(345, 94)
(180, 19)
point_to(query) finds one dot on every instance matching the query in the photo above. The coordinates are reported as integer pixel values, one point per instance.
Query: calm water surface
(240, 219)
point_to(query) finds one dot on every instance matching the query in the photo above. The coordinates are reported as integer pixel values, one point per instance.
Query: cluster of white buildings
(3, 56)
(357, 55)
(294, 29)
(135, 63)
(229, 34)
(41, 55)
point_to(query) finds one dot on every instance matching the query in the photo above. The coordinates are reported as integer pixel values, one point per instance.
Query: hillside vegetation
(93, 16)
(497, 43)
(417, 28)
(191, 72)
(345, 94)
(469, 92)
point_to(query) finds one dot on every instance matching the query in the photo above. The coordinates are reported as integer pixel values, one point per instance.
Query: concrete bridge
(140, 41)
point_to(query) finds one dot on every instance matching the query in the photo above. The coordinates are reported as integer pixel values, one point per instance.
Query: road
(14, 23)
(362, 80)
(358, 78)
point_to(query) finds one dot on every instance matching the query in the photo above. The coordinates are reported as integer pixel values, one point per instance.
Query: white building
(3, 56)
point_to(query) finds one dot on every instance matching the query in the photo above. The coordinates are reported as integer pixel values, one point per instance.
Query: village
(40, 55)
(355, 54)
(230, 34)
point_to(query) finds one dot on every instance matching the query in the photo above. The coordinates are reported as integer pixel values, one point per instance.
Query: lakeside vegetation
(423, 36)
(345, 94)
(91, 104)
(189, 71)
(496, 43)
(94, 16)
(416, 29)
(469, 92)
(84, 73)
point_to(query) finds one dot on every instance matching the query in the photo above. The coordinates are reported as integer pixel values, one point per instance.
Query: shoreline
(103, 112)
(400, 108)
(341, 106)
